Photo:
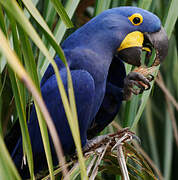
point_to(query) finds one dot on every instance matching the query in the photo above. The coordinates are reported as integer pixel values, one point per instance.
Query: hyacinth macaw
(95, 54)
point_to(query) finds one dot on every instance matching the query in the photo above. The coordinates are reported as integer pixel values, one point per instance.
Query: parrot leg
(136, 79)
(95, 142)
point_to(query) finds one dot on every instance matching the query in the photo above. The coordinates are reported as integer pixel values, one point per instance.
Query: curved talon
(123, 136)
(139, 85)
(141, 90)
(150, 77)
(137, 79)
(130, 85)
(136, 138)
(148, 87)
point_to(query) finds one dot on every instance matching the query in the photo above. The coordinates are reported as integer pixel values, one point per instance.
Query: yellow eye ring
(136, 19)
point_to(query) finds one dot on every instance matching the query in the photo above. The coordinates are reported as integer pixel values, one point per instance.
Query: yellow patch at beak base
(133, 39)
(146, 49)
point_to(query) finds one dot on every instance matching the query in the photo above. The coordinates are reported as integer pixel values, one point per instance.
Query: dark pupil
(136, 20)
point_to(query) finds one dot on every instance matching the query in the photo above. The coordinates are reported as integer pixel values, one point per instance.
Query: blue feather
(96, 75)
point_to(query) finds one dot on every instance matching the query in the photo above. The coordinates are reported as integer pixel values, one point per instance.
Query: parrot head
(143, 32)
(123, 32)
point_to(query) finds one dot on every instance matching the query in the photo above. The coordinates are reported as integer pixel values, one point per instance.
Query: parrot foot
(114, 140)
(100, 145)
(136, 79)
(123, 136)
(95, 142)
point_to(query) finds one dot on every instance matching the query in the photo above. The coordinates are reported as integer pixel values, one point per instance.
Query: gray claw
(150, 77)
(132, 79)
(136, 138)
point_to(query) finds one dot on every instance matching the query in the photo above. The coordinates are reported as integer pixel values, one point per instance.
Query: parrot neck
(97, 36)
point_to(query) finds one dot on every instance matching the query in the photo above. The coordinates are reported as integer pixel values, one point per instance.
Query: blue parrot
(95, 54)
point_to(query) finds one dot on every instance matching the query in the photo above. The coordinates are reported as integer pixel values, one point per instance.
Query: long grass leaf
(20, 100)
(31, 68)
(35, 13)
(62, 13)
(168, 146)
(1, 103)
(59, 32)
(101, 6)
(74, 128)
(171, 18)
(145, 4)
(18, 68)
(3, 27)
(31, 32)
(5, 160)
(131, 111)
(144, 99)
(2, 23)
(151, 133)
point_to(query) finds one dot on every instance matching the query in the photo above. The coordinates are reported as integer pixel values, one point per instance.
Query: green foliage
(30, 38)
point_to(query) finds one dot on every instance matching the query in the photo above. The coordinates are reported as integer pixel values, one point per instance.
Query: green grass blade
(131, 111)
(101, 6)
(35, 13)
(49, 15)
(28, 57)
(62, 13)
(2, 23)
(74, 127)
(151, 133)
(7, 170)
(115, 3)
(171, 18)
(59, 32)
(168, 148)
(31, 68)
(44, 134)
(145, 4)
(1, 103)
(144, 100)
(18, 68)
(20, 100)
(31, 32)
(3, 28)
(48, 12)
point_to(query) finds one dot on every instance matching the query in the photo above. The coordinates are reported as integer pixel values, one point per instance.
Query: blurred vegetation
(153, 115)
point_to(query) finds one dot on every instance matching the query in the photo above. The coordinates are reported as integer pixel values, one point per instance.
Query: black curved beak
(157, 40)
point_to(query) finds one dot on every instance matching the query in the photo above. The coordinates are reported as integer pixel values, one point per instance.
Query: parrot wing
(84, 90)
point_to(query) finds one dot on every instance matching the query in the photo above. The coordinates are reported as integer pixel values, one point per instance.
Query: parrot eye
(136, 19)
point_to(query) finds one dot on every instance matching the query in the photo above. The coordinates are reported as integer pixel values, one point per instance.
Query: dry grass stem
(173, 120)
(148, 159)
(95, 169)
(169, 98)
(122, 162)
(91, 165)
(161, 84)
